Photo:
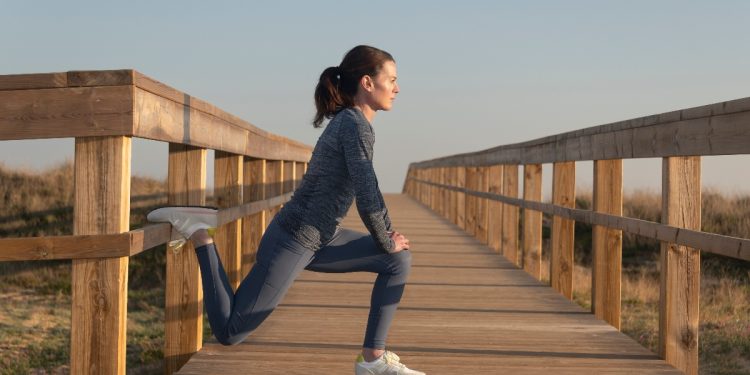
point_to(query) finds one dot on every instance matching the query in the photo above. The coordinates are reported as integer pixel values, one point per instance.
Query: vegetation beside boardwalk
(35, 312)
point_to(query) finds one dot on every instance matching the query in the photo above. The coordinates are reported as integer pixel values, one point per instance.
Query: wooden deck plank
(465, 310)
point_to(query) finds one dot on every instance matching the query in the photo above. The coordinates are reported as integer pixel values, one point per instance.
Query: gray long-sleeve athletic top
(340, 169)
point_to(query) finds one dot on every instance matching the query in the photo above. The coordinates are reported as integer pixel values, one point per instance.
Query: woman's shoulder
(351, 116)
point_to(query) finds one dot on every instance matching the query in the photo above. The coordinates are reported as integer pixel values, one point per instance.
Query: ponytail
(328, 96)
(338, 85)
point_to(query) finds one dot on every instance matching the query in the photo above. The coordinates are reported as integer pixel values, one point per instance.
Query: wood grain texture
(289, 175)
(274, 184)
(561, 242)
(461, 198)
(33, 81)
(482, 205)
(734, 247)
(228, 180)
(680, 265)
(253, 225)
(66, 112)
(183, 325)
(465, 311)
(99, 286)
(714, 129)
(532, 221)
(510, 236)
(607, 243)
(472, 183)
(495, 208)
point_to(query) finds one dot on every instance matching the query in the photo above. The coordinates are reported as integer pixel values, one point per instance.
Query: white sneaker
(185, 220)
(387, 364)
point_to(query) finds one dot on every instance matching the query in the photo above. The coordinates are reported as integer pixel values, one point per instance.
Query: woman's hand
(402, 243)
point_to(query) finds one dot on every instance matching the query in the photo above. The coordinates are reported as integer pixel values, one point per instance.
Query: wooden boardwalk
(465, 311)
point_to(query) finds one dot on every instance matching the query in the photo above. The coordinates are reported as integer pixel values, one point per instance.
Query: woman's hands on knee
(402, 243)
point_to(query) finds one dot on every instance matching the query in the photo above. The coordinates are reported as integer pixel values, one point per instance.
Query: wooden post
(228, 193)
(289, 175)
(680, 265)
(453, 181)
(471, 201)
(509, 244)
(274, 178)
(461, 198)
(532, 221)
(253, 226)
(299, 173)
(100, 286)
(495, 209)
(443, 172)
(561, 242)
(607, 243)
(183, 331)
(482, 203)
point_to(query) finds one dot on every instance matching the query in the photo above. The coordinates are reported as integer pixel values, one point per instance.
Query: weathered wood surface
(680, 265)
(183, 312)
(466, 310)
(100, 286)
(707, 242)
(714, 129)
(128, 103)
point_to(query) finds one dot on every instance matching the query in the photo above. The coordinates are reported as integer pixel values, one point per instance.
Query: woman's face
(383, 88)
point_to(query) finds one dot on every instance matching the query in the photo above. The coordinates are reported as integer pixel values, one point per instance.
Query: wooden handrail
(467, 188)
(715, 129)
(734, 247)
(103, 110)
(128, 103)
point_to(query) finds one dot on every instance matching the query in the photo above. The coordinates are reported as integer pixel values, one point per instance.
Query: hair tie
(338, 72)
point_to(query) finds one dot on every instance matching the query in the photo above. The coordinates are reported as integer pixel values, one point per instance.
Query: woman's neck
(366, 110)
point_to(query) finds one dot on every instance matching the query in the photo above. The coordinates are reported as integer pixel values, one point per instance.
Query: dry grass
(724, 344)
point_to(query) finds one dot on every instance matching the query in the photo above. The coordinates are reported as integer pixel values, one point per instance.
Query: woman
(306, 234)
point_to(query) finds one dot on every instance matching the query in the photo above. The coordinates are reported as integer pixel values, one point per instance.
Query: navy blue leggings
(280, 259)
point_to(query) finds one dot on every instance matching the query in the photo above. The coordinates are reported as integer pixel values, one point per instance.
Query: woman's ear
(366, 83)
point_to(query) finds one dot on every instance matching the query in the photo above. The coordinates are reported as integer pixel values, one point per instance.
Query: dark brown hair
(338, 84)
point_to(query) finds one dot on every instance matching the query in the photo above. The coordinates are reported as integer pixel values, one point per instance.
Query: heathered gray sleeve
(357, 141)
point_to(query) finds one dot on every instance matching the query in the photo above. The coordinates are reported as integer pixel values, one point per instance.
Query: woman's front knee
(401, 262)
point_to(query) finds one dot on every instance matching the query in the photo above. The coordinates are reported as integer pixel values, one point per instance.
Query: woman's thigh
(352, 251)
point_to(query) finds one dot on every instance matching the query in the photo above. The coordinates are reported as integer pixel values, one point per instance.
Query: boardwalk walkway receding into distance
(466, 310)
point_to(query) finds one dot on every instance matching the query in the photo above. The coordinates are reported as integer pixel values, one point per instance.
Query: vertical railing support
(563, 230)
(461, 198)
(482, 203)
(228, 193)
(274, 185)
(253, 226)
(100, 286)
(453, 205)
(495, 208)
(532, 221)
(607, 243)
(290, 173)
(183, 332)
(509, 237)
(680, 265)
(471, 201)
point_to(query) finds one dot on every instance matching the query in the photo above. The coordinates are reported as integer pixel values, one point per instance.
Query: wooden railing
(479, 192)
(254, 173)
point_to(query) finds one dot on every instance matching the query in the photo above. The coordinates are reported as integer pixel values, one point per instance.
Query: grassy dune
(35, 313)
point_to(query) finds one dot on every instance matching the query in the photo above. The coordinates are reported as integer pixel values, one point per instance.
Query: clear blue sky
(473, 75)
